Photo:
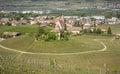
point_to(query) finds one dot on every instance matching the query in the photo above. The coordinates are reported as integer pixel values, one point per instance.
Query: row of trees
(97, 31)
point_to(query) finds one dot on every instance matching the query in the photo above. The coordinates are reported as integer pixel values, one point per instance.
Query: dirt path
(30, 53)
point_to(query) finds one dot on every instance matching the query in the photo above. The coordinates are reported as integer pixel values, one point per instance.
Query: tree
(65, 27)
(39, 33)
(82, 26)
(50, 36)
(8, 24)
(85, 31)
(63, 35)
(90, 31)
(94, 30)
(1, 35)
(17, 17)
(109, 31)
(83, 14)
(98, 31)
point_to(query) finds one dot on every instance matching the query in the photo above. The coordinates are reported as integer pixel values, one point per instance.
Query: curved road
(31, 53)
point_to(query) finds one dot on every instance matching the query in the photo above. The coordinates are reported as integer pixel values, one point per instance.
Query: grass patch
(75, 44)
(21, 29)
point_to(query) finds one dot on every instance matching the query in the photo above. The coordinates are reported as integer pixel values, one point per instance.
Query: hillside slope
(51, 4)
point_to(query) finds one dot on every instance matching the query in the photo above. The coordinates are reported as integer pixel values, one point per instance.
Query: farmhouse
(13, 34)
(113, 20)
(16, 23)
(104, 30)
(98, 17)
(117, 34)
(4, 20)
(75, 30)
(87, 26)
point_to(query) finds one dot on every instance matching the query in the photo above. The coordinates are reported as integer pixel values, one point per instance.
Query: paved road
(31, 53)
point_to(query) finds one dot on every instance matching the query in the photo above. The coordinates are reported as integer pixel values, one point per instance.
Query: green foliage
(45, 34)
(17, 18)
(2, 15)
(85, 31)
(95, 31)
(118, 14)
(31, 34)
(1, 35)
(8, 24)
(53, 63)
(83, 14)
(50, 36)
(39, 33)
(65, 27)
(63, 35)
(98, 31)
(109, 14)
(90, 31)
(109, 31)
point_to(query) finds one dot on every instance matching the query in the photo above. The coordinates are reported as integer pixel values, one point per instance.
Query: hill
(52, 4)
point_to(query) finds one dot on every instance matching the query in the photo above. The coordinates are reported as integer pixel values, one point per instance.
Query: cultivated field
(104, 62)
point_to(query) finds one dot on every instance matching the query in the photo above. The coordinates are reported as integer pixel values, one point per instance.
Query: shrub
(53, 63)
(63, 35)
(85, 31)
(98, 31)
(8, 24)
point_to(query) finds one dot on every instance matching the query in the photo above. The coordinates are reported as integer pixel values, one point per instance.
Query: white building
(86, 26)
(99, 17)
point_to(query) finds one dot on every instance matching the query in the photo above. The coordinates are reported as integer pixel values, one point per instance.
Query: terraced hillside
(18, 60)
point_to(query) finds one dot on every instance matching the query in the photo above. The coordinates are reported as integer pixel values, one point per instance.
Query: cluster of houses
(4, 21)
(61, 21)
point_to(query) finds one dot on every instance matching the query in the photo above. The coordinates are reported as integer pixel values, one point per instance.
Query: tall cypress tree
(109, 31)
(65, 27)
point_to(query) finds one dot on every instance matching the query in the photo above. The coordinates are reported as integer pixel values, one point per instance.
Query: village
(74, 24)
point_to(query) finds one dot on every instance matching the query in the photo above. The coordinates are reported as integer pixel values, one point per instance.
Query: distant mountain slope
(22, 1)
(50, 4)
(53, 0)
